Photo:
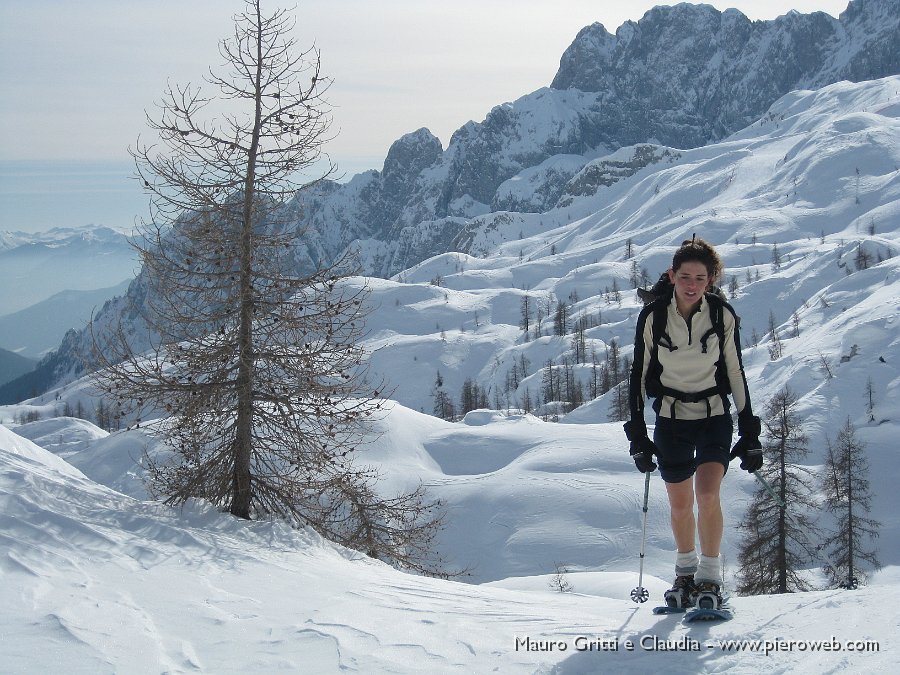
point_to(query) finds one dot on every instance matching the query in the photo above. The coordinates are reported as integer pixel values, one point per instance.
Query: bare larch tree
(779, 540)
(255, 365)
(849, 499)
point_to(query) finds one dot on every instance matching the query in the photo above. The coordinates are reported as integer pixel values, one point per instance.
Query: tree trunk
(850, 523)
(782, 529)
(242, 481)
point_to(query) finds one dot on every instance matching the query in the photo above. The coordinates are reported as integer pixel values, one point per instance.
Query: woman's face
(691, 280)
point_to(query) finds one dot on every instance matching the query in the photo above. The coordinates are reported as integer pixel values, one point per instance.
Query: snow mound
(63, 436)
(95, 581)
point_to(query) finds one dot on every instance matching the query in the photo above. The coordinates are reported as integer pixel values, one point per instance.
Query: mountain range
(52, 281)
(682, 77)
(37, 265)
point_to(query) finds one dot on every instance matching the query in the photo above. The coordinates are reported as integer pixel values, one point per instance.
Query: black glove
(748, 447)
(642, 448)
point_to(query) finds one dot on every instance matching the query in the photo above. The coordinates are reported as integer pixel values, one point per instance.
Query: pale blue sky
(76, 75)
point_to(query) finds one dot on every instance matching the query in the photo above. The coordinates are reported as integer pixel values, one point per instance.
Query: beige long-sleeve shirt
(687, 367)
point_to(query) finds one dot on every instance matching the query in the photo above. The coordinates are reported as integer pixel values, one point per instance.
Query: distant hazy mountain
(13, 366)
(35, 330)
(36, 266)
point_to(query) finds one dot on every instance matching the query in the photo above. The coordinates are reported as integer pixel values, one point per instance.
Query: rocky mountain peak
(408, 156)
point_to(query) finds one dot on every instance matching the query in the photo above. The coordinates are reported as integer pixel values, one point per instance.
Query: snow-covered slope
(816, 180)
(96, 581)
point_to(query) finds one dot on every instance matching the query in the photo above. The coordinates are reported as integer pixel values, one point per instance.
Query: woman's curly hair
(696, 249)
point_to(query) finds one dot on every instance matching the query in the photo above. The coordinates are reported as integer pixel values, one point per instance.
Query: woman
(687, 356)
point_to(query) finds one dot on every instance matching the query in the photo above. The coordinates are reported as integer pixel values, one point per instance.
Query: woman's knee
(681, 498)
(708, 483)
(708, 499)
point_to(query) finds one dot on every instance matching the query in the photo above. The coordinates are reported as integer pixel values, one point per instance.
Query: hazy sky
(77, 75)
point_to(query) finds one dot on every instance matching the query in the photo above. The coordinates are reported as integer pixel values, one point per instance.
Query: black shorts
(686, 444)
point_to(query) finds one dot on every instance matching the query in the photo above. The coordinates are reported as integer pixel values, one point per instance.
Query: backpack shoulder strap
(717, 308)
(660, 309)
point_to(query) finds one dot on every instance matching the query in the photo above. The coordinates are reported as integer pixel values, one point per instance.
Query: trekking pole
(640, 594)
(770, 490)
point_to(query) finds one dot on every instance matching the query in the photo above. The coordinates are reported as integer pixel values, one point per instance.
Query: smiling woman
(687, 357)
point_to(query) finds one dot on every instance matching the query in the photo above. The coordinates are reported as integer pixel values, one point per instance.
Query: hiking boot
(707, 595)
(682, 592)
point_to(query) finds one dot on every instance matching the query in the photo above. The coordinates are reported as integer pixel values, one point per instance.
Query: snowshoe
(723, 613)
(680, 596)
(665, 609)
(707, 596)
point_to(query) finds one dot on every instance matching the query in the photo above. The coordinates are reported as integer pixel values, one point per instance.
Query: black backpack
(658, 299)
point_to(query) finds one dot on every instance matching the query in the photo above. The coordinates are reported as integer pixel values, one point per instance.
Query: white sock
(686, 563)
(709, 569)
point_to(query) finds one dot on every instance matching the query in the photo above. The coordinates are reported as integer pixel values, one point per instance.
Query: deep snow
(95, 581)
